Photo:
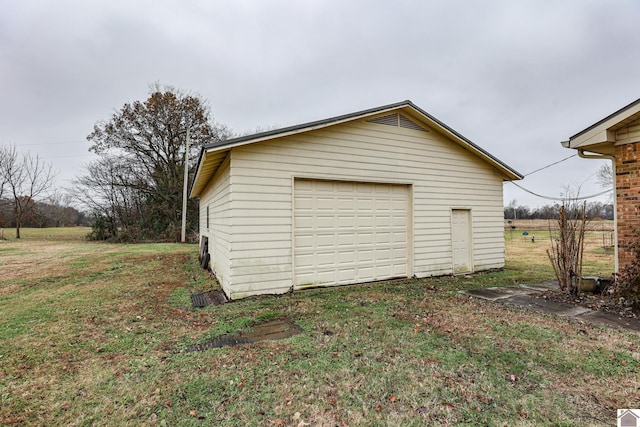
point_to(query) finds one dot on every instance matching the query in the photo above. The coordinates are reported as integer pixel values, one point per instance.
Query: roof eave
(627, 110)
(305, 127)
(601, 136)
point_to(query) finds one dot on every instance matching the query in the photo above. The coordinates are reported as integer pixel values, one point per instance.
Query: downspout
(582, 154)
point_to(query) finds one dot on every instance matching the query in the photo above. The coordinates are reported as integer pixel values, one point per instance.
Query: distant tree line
(50, 213)
(593, 210)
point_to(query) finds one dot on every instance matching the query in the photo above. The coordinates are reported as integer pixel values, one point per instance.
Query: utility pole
(184, 189)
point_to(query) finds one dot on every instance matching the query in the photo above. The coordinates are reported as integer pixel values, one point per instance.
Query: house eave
(601, 136)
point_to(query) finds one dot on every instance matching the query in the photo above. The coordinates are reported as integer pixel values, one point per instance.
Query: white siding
(443, 174)
(217, 196)
(629, 133)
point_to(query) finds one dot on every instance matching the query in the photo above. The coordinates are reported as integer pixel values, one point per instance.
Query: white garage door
(349, 232)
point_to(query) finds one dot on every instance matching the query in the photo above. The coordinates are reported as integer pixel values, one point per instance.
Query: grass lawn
(94, 334)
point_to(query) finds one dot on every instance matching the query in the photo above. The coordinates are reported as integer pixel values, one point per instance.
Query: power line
(549, 165)
(561, 198)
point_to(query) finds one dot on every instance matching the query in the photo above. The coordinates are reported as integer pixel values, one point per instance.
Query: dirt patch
(268, 330)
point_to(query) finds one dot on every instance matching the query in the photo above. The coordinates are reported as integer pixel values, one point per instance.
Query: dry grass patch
(96, 339)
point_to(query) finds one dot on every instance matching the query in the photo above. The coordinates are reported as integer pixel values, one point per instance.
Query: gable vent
(397, 120)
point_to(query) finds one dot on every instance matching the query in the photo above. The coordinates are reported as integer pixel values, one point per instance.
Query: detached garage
(384, 193)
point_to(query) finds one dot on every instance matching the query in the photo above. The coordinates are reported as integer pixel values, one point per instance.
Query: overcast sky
(515, 77)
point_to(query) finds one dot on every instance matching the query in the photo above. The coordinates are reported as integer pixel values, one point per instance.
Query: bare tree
(26, 177)
(513, 205)
(604, 175)
(4, 155)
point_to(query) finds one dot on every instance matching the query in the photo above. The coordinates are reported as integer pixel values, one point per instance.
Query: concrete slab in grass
(612, 320)
(498, 293)
(550, 307)
(541, 287)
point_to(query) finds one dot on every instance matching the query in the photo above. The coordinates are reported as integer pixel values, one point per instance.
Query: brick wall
(628, 198)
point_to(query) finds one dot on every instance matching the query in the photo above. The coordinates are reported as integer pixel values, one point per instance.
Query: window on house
(207, 216)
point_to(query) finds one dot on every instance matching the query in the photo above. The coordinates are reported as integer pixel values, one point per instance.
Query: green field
(95, 334)
(60, 233)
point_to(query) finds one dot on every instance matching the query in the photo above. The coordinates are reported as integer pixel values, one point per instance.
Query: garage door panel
(304, 204)
(306, 278)
(383, 254)
(345, 186)
(344, 204)
(385, 270)
(399, 221)
(326, 259)
(365, 256)
(325, 240)
(365, 222)
(349, 232)
(365, 205)
(346, 276)
(304, 222)
(364, 188)
(383, 220)
(365, 238)
(325, 204)
(326, 276)
(322, 186)
(399, 205)
(346, 222)
(399, 237)
(346, 257)
(302, 242)
(399, 253)
(304, 185)
(383, 238)
(400, 270)
(325, 222)
(366, 273)
(346, 240)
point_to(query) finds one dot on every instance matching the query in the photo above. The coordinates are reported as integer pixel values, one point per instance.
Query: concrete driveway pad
(495, 294)
(545, 306)
(521, 296)
(612, 320)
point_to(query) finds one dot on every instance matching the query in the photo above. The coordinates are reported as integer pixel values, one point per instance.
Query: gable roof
(212, 155)
(600, 136)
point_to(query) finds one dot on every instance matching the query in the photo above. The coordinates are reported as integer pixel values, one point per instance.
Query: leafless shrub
(567, 246)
